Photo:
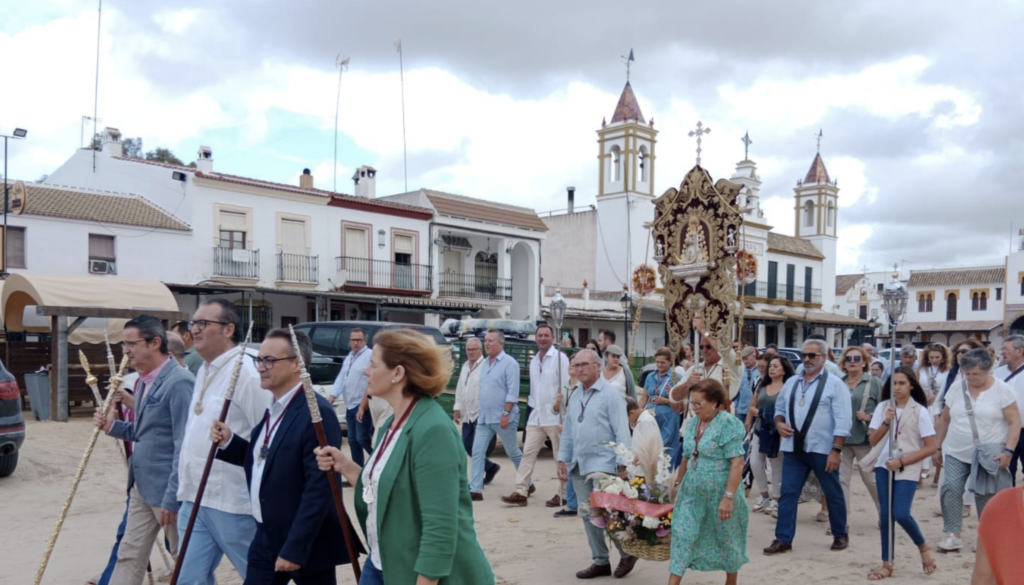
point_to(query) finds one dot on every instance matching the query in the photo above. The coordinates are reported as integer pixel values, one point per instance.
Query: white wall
(994, 311)
(572, 249)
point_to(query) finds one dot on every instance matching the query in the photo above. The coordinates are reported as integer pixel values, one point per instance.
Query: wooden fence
(26, 357)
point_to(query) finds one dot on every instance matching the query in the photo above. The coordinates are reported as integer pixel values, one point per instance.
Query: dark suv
(330, 338)
(12, 423)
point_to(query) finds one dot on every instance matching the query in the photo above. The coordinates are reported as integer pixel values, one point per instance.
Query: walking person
(193, 361)
(709, 529)
(865, 394)
(765, 446)
(813, 415)
(560, 407)
(548, 368)
(979, 412)
(595, 416)
(952, 378)
(932, 373)
(1012, 372)
(906, 414)
(657, 397)
(499, 409)
(350, 385)
(617, 373)
(467, 403)
(750, 377)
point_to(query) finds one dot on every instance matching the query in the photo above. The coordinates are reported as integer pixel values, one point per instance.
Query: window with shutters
(233, 228)
(293, 236)
(356, 253)
(404, 253)
(15, 247)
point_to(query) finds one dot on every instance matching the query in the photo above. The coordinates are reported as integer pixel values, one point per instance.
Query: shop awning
(950, 327)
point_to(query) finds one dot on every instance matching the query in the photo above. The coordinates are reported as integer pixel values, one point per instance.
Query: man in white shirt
(351, 383)
(549, 368)
(224, 524)
(467, 403)
(1012, 372)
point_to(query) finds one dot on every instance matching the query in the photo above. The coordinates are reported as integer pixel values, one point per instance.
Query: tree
(165, 156)
(132, 147)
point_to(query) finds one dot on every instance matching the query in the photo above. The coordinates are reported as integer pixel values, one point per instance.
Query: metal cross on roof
(698, 132)
(746, 145)
(820, 134)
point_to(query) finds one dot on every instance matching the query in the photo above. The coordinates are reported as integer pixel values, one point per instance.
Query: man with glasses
(813, 414)
(161, 403)
(351, 386)
(596, 415)
(1012, 372)
(224, 524)
(467, 403)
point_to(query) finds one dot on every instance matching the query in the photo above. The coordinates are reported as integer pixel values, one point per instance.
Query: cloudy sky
(920, 102)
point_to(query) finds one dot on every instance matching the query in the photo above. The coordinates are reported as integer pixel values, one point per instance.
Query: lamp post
(895, 300)
(558, 318)
(18, 133)
(625, 301)
(918, 337)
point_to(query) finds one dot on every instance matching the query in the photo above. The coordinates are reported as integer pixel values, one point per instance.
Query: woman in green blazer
(412, 497)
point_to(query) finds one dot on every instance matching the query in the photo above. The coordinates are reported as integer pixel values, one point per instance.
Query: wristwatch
(730, 495)
(837, 449)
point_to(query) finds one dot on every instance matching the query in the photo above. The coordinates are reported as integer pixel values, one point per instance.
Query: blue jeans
(903, 498)
(468, 436)
(360, 435)
(371, 575)
(1018, 455)
(509, 438)
(214, 535)
(570, 495)
(109, 570)
(795, 470)
(595, 536)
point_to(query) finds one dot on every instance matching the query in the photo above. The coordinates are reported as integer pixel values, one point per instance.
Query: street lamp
(18, 133)
(895, 301)
(625, 301)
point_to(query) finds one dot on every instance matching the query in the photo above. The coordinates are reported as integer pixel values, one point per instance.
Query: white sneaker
(762, 503)
(950, 543)
(772, 509)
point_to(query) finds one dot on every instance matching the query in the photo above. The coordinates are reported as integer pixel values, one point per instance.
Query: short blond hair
(427, 366)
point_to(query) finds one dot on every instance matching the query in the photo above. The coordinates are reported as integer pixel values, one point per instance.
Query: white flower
(630, 492)
(651, 522)
(613, 488)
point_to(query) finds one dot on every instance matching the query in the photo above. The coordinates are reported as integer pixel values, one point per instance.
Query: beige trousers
(140, 533)
(867, 475)
(757, 467)
(531, 448)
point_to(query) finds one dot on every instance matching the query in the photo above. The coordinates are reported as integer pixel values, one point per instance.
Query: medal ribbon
(389, 435)
(265, 449)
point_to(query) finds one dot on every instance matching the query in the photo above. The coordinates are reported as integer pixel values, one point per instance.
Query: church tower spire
(817, 219)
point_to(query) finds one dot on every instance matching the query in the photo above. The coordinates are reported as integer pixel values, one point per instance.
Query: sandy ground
(525, 545)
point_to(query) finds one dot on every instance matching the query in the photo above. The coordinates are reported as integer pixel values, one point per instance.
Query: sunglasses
(706, 346)
(809, 355)
(853, 358)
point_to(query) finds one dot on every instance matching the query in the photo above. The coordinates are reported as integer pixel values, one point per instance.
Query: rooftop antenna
(342, 64)
(405, 149)
(819, 136)
(629, 60)
(96, 91)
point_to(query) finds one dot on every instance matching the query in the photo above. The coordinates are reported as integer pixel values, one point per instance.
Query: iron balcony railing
(386, 274)
(780, 290)
(454, 284)
(236, 263)
(298, 267)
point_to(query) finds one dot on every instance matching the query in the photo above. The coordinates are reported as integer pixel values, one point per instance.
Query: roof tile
(81, 204)
(957, 276)
(817, 172)
(844, 282)
(791, 245)
(489, 211)
(628, 109)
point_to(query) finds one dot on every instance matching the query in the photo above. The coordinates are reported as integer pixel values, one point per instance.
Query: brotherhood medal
(264, 451)
(369, 494)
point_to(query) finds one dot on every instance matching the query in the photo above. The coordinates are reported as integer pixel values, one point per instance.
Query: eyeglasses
(696, 404)
(268, 362)
(202, 323)
(706, 346)
(809, 355)
(127, 344)
(581, 366)
(853, 358)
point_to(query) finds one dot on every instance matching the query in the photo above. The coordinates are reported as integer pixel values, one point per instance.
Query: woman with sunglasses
(865, 394)
(765, 444)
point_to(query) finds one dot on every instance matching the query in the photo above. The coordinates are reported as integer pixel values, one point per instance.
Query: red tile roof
(628, 108)
(469, 208)
(817, 172)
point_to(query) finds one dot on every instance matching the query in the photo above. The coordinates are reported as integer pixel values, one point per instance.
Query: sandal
(883, 572)
(927, 561)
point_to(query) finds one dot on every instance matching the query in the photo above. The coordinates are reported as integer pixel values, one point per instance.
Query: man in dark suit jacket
(298, 536)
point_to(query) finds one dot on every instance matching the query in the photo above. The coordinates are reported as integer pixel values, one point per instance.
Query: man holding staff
(298, 536)
(224, 524)
(161, 405)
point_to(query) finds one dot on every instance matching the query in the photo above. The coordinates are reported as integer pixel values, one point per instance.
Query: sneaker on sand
(951, 543)
(762, 503)
(772, 509)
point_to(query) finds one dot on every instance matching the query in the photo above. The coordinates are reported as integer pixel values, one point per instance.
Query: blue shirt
(834, 416)
(750, 376)
(499, 385)
(604, 419)
(351, 380)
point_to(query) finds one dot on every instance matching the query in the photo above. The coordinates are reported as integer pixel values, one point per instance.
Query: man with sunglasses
(712, 367)
(813, 414)
(224, 524)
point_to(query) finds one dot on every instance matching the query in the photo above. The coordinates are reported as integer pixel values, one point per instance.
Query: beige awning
(22, 293)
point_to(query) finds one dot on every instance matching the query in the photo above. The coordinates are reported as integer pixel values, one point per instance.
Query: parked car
(12, 423)
(330, 338)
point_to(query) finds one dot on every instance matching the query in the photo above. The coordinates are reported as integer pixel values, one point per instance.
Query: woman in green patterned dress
(709, 525)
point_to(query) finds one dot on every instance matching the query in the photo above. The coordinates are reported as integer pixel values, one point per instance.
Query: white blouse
(618, 380)
(988, 413)
(371, 507)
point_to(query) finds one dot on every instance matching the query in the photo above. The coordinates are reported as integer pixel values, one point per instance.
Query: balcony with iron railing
(781, 291)
(298, 268)
(384, 274)
(236, 263)
(471, 286)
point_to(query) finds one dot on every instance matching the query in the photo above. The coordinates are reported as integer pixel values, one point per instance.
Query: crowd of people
(722, 414)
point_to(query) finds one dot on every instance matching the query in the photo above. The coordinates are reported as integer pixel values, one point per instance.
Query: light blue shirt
(351, 381)
(832, 367)
(604, 419)
(750, 376)
(499, 385)
(834, 416)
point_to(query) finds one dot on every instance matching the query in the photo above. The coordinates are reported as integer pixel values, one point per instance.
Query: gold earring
(394, 380)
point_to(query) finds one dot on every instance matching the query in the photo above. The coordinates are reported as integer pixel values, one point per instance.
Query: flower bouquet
(636, 509)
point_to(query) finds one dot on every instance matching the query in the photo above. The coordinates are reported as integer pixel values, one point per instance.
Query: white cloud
(175, 21)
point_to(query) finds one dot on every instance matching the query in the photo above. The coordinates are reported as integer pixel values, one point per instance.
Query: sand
(525, 545)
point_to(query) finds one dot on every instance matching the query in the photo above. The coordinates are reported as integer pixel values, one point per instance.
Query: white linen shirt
(225, 488)
(276, 412)
(352, 381)
(988, 416)
(1017, 383)
(544, 384)
(467, 392)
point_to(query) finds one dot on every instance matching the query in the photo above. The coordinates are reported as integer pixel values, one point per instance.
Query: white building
(949, 305)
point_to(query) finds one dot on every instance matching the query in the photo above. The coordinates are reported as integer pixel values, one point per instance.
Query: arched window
(974, 302)
(831, 213)
(809, 214)
(920, 304)
(983, 302)
(485, 271)
(928, 304)
(616, 166)
(644, 163)
(951, 307)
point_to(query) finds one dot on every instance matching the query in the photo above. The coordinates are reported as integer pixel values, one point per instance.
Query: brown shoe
(532, 489)
(515, 499)
(555, 502)
(476, 496)
(594, 571)
(625, 566)
(840, 542)
(776, 547)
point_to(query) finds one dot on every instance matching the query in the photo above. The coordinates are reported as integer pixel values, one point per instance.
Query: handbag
(768, 436)
(981, 450)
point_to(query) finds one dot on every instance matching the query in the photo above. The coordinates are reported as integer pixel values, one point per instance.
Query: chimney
(572, 198)
(365, 179)
(204, 162)
(306, 180)
(112, 142)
